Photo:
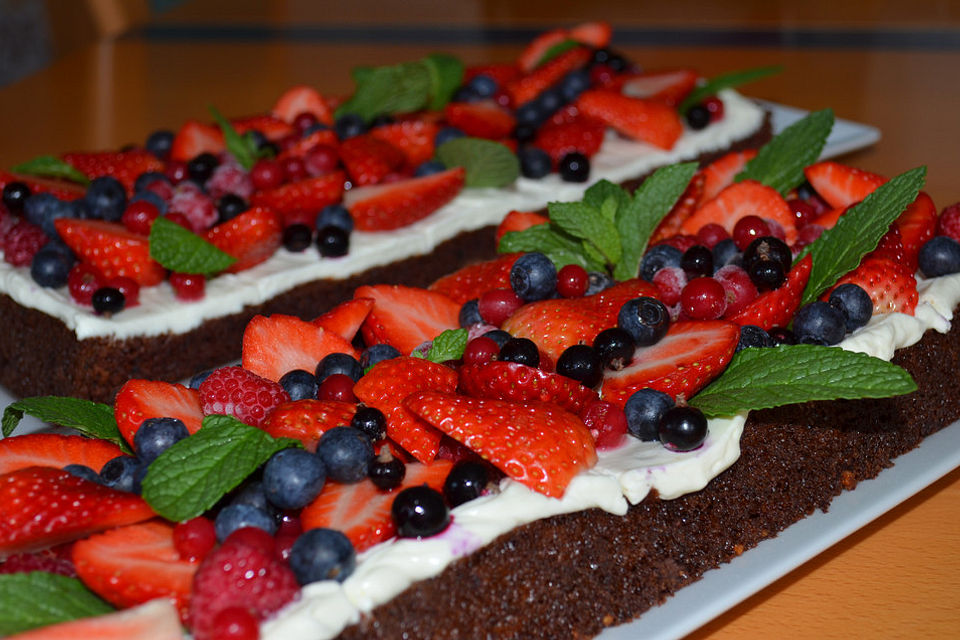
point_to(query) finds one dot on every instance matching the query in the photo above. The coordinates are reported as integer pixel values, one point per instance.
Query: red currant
(82, 281)
(738, 287)
(710, 234)
(748, 229)
(681, 242)
(703, 299)
(803, 212)
(807, 235)
(480, 351)
(714, 106)
(337, 386)
(176, 171)
(138, 217)
(235, 623)
(607, 423)
(294, 168)
(572, 281)
(266, 174)
(497, 305)
(188, 287)
(304, 121)
(128, 287)
(194, 539)
(321, 160)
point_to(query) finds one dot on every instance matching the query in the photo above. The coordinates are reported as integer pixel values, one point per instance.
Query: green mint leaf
(400, 88)
(839, 250)
(193, 474)
(488, 163)
(556, 50)
(39, 599)
(582, 221)
(446, 76)
(180, 250)
(51, 167)
(788, 374)
(449, 345)
(90, 418)
(561, 248)
(779, 163)
(242, 148)
(607, 197)
(726, 81)
(361, 74)
(652, 200)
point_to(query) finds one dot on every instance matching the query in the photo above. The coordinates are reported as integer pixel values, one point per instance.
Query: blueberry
(465, 94)
(339, 363)
(333, 242)
(316, 126)
(377, 353)
(645, 409)
(371, 422)
(387, 472)
(940, 257)
(469, 313)
(146, 179)
(854, 303)
(292, 478)
(697, 261)
(658, 257)
(683, 428)
(322, 554)
(198, 378)
(156, 435)
(550, 100)
(82, 471)
(753, 336)
(582, 363)
(335, 215)
(50, 267)
(780, 336)
(429, 168)
(253, 494)
(346, 452)
(201, 166)
(381, 120)
(108, 300)
(531, 114)
(483, 85)
(615, 347)
(159, 143)
(574, 83)
(723, 252)
(14, 195)
(419, 512)
(297, 237)
(238, 516)
(525, 133)
(465, 482)
(229, 206)
(698, 117)
(645, 319)
(149, 196)
(499, 336)
(520, 350)
(107, 198)
(446, 134)
(534, 162)
(43, 208)
(533, 277)
(349, 125)
(819, 323)
(574, 167)
(299, 384)
(597, 282)
(119, 473)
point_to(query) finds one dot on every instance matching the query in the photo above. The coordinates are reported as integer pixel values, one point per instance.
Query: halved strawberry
(841, 185)
(668, 86)
(43, 506)
(596, 34)
(685, 206)
(300, 147)
(194, 138)
(890, 246)
(302, 200)
(54, 450)
(483, 119)
(346, 318)
(537, 444)
(642, 120)
(413, 137)
(131, 565)
(582, 135)
(156, 620)
(384, 207)
(719, 174)
(776, 308)
(307, 420)
(60, 188)
(302, 99)
(686, 359)
(502, 73)
(112, 249)
(125, 166)
(740, 199)
(917, 225)
(278, 344)
(518, 221)
(361, 511)
(527, 87)
(891, 285)
(272, 128)
(474, 280)
(138, 400)
(251, 237)
(406, 317)
(368, 160)
(521, 383)
(533, 53)
(388, 383)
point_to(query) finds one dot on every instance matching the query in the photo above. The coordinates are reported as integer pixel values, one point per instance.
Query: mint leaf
(839, 250)
(553, 243)
(51, 167)
(726, 81)
(189, 477)
(488, 163)
(556, 50)
(446, 76)
(39, 599)
(582, 221)
(180, 250)
(779, 163)
(242, 148)
(788, 374)
(449, 345)
(90, 418)
(652, 200)
(400, 88)
(607, 197)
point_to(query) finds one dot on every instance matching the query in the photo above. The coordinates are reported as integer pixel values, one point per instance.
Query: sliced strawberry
(388, 383)
(520, 220)
(483, 119)
(302, 199)
(43, 506)
(891, 285)
(307, 420)
(112, 249)
(368, 159)
(642, 120)
(384, 207)
(251, 237)
(156, 620)
(413, 137)
(829, 219)
(346, 318)
(300, 147)
(890, 246)
(277, 344)
(776, 308)
(537, 444)
(406, 317)
(534, 52)
(917, 225)
(474, 280)
(501, 73)
(125, 166)
(669, 86)
(743, 199)
(272, 128)
(719, 174)
(135, 564)
(302, 99)
(582, 135)
(841, 185)
(555, 325)
(194, 138)
(361, 511)
(527, 87)
(60, 188)
(138, 400)
(54, 450)
(685, 206)
(521, 383)
(595, 34)
(685, 360)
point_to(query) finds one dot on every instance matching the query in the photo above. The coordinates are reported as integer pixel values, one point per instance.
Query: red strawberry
(413, 137)
(890, 246)
(138, 400)
(48, 560)
(534, 52)
(669, 87)
(520, 383)
(234, 391)
(384, 207)
(54, 450)
(368, 159)
(595, 34)
(520, 220)
(125, 166)
(743, 199)
(346, 318)
(251, 237)
(776, 308)
(537, 444)
(555, 325)
(60, 188)
(388, 383)
(43, 506)
(301, 146)
(685, 206)
(719, 174)
(112, 249)
(272, 128)
(917, 225)
(135, 564)
(891, 285)
(583, 135)
(278, 344)
(501, 73)
(483, 119)
(642, 120)
(406, 317)
(526, 88)
(194, 138)
(303, 198)
(841, 185)
(302, 99)
(307, 420)
(361, 511)
(685, 360)
(156, 620)
(474, 280)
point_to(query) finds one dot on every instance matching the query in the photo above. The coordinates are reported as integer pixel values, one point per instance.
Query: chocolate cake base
(570, 576)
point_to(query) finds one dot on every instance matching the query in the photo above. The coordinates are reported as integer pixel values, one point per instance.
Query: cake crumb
(608, 620)
(848, 480)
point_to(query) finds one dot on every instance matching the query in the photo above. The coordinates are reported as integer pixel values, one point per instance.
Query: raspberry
(229, 177)
(236, 392)
(47, 561)
(949, 223)
(195, 205)
(22, 242)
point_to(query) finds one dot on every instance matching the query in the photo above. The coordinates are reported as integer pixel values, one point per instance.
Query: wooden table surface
(897, 577)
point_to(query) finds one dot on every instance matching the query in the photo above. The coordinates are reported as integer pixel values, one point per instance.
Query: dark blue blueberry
(253, 494)
(292, 478)
(419, 512)
(753, 336)
(940, 257)
(466, 481)
(335, 215)
(198, 378)
(780, 336)
(520, 350)
(582, 363)
(429, 168)
(525, 133)
(238, 516)
(465, 94)
(377, 353)
(259, 140)
(120, 472)
(322, 554)
(698, 117)
(107, 198)
(14, 195)
(469, 313)
(658, 257)
(531, 114)
(447, 134)
(152, 198)
(805, 191)
(723, 252)
(346, 453)
(644, 411)
(333, 242)
(574, 83)
(683, 428)
(82, 471)
(316, 126)
(499, 336)
(598, 281)
(159, 143)
(156, 435)
(43, 208)
(138, 475)
(819, 323)
(381, 120)
(59, 246)
(550, 100)
(201, 167)
(339, 363)
(297, 237)
(147, 178)
(300, 384)
(349, 125)
(108, 300)
(81, 209)
(854, 303)
(229, 206)
(535, 163)
(371, 422)
(483, 85)
(645, 319)
(533, 277)
(50, 267)
(615, 347)
(574, 167)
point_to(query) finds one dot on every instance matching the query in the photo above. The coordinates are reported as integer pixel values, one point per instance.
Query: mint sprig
(446, 74)
(556, 51)
(548, 239)
(726, 81)
(788, 374)
(39, 599)
(51, 167)
(591, 225)
(89, 418)
(182, 251)
(449, 345)
(839, 250)
(487, 163)
(243, 148)
(193, 474)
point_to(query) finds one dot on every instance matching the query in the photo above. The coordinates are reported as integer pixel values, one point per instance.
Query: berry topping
(406, 317)
(322, 554)
(683, 428)
(419, 512)
(242, 394)
(523, 383)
